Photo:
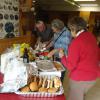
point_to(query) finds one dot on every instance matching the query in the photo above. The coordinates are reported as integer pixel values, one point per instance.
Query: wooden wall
(6, 43)
(26, 22)
(26, 17)
(92, 20)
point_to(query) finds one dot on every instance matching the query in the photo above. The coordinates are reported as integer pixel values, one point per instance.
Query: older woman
(82, 59)
(62, 38)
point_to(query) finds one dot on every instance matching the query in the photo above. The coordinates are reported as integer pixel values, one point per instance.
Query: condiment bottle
(25, 56)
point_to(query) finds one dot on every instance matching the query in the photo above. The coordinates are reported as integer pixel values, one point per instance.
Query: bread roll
(52, 90)
(43, 89)
(57, 82)
(25, 89)
(33, 86)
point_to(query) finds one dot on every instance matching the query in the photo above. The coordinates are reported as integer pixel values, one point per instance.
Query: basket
(40, 94)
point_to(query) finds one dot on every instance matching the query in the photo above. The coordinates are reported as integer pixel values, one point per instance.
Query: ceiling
(67, 5)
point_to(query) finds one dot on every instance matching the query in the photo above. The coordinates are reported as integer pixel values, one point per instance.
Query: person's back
(87, 65)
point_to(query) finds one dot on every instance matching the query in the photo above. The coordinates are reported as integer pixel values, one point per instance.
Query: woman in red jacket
(82, 59)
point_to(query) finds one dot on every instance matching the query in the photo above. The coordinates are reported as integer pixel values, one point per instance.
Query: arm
(63, 57)
(37, 43)
(49, 45)
(72, 60)
(52, 53)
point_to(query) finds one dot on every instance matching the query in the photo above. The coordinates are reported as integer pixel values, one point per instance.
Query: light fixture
(72, 3)
(89, 5)
(33, 1)
(84, 0)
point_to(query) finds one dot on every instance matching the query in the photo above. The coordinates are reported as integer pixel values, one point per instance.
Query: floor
(93, 94)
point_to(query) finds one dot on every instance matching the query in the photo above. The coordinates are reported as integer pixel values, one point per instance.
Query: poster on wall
(9, 18)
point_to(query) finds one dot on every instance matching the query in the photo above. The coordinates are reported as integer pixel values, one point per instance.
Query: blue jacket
(62, 39)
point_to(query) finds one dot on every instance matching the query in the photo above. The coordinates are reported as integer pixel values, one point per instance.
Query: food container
(41, 94)
(58, 65)
(60, 68)
(58, 72)
(45, 65)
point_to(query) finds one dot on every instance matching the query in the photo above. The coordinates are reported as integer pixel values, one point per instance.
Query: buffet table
(48, 88)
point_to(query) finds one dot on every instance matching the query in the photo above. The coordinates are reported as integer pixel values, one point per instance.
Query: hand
(61, 53)
(52, 53)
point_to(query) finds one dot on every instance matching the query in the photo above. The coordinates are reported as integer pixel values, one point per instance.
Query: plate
(6, 16)
(1, 16)
(16, 17)
(9, 27)
(11, 16)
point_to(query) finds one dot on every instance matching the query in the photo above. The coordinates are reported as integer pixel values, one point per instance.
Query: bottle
(25, 56)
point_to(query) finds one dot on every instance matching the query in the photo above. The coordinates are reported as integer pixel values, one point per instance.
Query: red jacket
(82, 60)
